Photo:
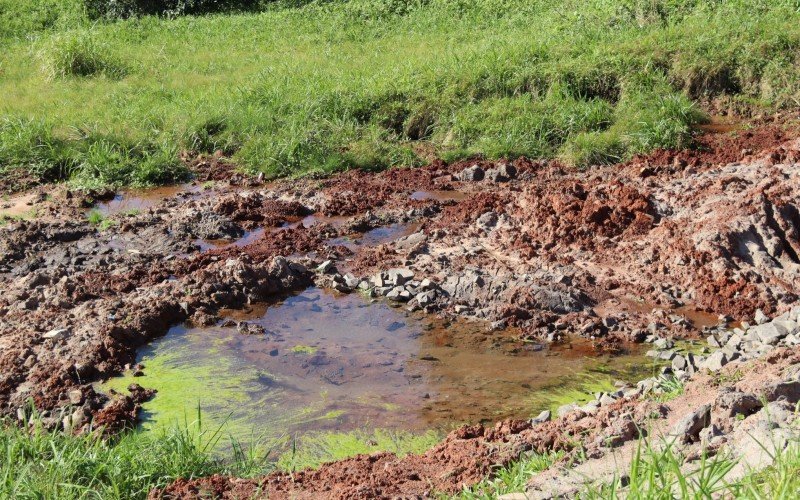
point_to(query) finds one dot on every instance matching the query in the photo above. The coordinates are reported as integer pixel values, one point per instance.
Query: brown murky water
(375, 237)
(333, 362)
(439, 195)
(142, 199)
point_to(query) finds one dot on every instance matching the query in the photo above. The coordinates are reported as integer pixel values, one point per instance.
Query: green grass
(42, 464)
(668, 388)
(511, 479)
(657, 472)
(364, 83)
(303, 349)
(96, 218)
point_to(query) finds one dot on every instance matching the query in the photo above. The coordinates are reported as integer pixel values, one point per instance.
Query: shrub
(78, 54)
(121, 9)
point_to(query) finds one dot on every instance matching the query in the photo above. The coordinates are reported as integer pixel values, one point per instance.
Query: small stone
(760, 318)
(606, 400)
(709, 433)
(679, 363)
(351, 281)
(664, 344)
(715, 361)
(472, 174)
(591, 407)
(75, 397)
(57, 334)
(541, 418)
(688, 429)
(325, 266)
(566, 409)
(770, 333)
(399, 276)
(735, 403)
(666, 355)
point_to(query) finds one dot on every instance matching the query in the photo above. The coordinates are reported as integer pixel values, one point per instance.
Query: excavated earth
(662, 245)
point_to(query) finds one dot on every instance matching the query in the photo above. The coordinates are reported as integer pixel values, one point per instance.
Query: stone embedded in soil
(688, 429)
(472, 174)
(715, 361)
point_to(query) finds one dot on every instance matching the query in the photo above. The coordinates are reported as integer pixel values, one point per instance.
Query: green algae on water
(303, 349)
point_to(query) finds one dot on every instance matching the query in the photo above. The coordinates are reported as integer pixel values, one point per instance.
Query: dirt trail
(613, 253)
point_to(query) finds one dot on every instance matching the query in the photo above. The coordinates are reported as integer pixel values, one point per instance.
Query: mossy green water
(597, 375)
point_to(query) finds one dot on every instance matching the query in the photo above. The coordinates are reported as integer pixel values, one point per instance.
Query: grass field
(375, 83)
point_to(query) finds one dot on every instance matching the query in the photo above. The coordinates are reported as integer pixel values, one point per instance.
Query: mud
(611, 254)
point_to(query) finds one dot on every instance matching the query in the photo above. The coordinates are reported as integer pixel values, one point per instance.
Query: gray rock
(399, 276)
(667, 355)
(606, 400)
(708, 434)
(325, 266)
(760, 318)
(398, 294)
(471, 174)
(787, 390)
(713, 342)
(75, 397)
(503, 173)
(427, 284)
(770, 333)
(679, 363)
(426, 298)
(688, 429)
(735, 341)
(351, 281)
(730, 404)
(715, 361)
(566, 409)
(57, 334)
(664, 344)
(541, 418)
(645, 386)
(590, 408)
(487, 221)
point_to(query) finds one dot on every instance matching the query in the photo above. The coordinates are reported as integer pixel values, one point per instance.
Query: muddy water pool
(328, 362)
(142, 199)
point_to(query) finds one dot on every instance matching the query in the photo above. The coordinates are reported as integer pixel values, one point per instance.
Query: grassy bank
(42, 464)
(374, 83)
(658, 473)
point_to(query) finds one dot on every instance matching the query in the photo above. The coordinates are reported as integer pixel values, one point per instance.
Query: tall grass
(44, 464)
(325, 85)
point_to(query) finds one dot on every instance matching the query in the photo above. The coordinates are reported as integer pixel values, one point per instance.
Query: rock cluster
(396, 284)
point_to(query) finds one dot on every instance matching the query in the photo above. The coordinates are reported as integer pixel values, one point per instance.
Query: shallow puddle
(142, 199)
(375, 237)
(337, 363)
(439, 195)
(246, 239)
